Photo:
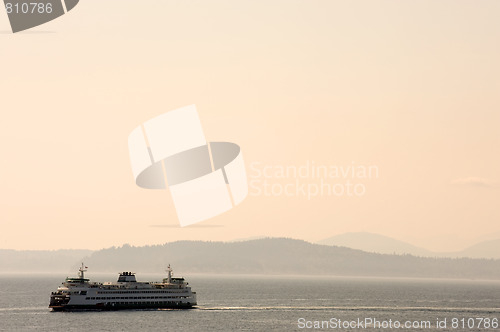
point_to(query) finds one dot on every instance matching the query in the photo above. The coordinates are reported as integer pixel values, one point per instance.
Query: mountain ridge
(279, 256)
(377, 243)
(284, 256)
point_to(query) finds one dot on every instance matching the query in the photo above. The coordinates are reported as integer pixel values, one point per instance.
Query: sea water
(265, 303)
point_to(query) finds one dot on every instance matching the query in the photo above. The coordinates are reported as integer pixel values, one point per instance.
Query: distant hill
(40, 261)
(248, 238)
(489, 236)
(283, 256)
(483, 249)
(371, 242)
(377, 243)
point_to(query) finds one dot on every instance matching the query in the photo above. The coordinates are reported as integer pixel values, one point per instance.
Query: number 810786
(28, 8)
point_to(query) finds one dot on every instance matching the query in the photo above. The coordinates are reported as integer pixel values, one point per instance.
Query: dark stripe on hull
(117, 306)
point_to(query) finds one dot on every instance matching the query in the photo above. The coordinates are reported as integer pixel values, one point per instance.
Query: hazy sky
(411, 87)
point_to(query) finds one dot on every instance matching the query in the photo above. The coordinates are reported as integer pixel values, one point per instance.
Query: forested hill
(284, 256)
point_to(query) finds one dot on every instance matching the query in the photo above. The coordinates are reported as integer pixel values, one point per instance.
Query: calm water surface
(243, 303)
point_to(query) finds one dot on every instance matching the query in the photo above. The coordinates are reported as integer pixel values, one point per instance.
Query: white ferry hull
(119, 306)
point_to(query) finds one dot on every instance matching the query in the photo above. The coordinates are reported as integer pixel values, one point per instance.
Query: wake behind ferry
(127, 293)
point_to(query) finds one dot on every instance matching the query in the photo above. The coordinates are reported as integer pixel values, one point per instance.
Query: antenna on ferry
(82, 270)
(169, 274)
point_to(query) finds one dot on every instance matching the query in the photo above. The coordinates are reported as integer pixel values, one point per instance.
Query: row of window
(136, 298)
(142, 303)
(135, 292)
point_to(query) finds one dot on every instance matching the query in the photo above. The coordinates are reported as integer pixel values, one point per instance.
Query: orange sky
(408, 86)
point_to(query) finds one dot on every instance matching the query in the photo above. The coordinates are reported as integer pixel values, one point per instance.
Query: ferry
(126, 293)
